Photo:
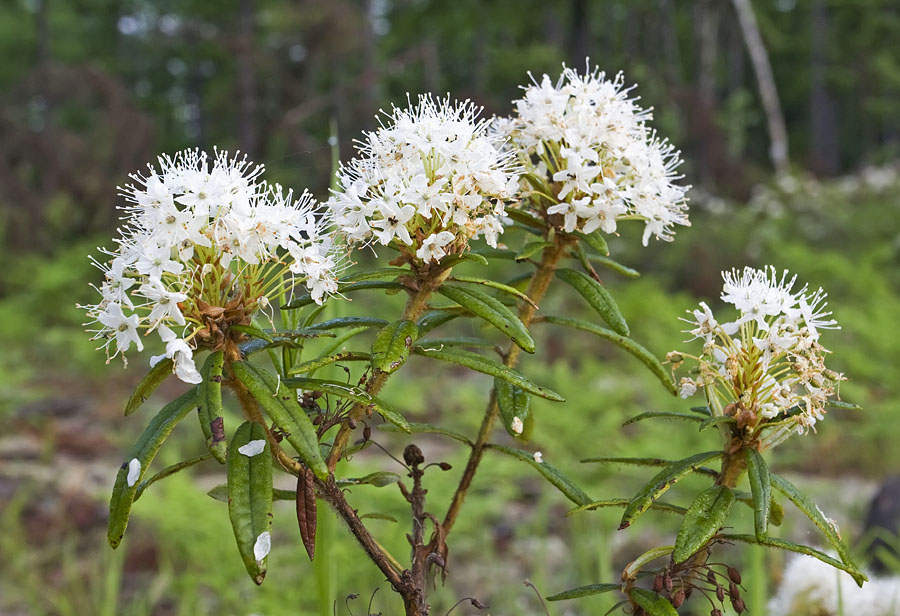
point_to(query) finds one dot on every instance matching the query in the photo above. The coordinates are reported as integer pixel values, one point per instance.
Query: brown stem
(537, 288)
(733, 466)
(414, 309)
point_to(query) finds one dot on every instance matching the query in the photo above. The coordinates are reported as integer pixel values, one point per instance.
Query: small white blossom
(586, 144)
(538, 457)
(517, 426)
(253, 448)
(262, 546)
(134, 472)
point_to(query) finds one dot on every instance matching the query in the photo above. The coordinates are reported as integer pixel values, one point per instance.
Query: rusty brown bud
(734, 575)
(715, 612)
(317, 420)
(734, 591)
(367, 432)
(445, 466)
(678, 598)
(720, 592)
(477, 604)
(738, 605)
(315, 394)
(711, 577)
(667, 582)
(658, 583)
(412, 455)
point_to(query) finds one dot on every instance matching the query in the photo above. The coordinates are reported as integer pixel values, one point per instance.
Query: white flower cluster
(766, 368)
(205, 244)
(428, 181)
(593, 157)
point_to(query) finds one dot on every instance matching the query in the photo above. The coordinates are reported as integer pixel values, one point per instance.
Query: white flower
(202, 233)
(262, 546)
(134, 472)
(516, 425)
(587, 136)
(252, 448)
(431, 169)
(538, 457)
(688, 388)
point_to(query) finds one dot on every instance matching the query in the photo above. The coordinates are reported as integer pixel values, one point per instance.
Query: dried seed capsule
(317, 420)
(667, 582)
(367, 432)
(658, 583)
(711, 577)
(734, 591)
(445, 466)
(412, 455)
(720, 592)
(738, 605)
(734, 575)
(715, 612)
(678, 599)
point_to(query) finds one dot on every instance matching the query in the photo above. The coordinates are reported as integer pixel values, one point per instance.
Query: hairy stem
(414, 309)
(733, 466)
(537, 288)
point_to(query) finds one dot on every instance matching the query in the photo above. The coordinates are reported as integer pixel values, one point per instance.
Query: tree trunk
(778, 148)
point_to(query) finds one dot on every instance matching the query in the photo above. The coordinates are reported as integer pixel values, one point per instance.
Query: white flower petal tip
(134, 472)
(263, 546)
(517, 426)
(538, 457)
(253, 448)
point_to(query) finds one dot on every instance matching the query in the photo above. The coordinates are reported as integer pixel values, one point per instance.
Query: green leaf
(350, 392)
(627, 344)
(761, 488)
(804, 504)
(463, 341)
(840, 404)
(288, 338)
(583, 591)
(376, 515)
(494, 253)
(532, 248)
(280, 403)
(209, 408)
(596, 241)
(597, 296)
(549, 472)
(718, 420)
(342, 322)
(253, 332)
(139, 458)
(392, 344)
(169, 470)
(379, 480)
(436, 318)
(250, 496)
(306, 299)
(663, 415)
(491, 310)
(617, 267)
(701, 470)
(376, 274)
(661, 482)
(525, 218)
(505, 288)
(148, 385)
(624, 502)
(703, 519)
(220, 493)
(513, 403)
(858, 576)
(479, 363)
(474, 257)
(320, 362)
(652, 603)
(424, 428)
(702, 410)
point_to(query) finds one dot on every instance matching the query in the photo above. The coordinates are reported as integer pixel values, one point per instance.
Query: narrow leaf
(305, 299)
(505, 288)
(148, 385)
(662, 415)
(250, 498)
(209, 408)
(617, 267)
(479, 363)
(718, 420)
(376, 274)
(532, 248)
(596, 241)
(169, 470)
(342, 322)
(392, 344)
(424, 428)
(597, 296)
(320, 362)
(701, 470)
(463, 341)
(350, 392)
(495, 253)
(474, 257)
(515, 409)
(375, 515)
(761, 488)
(652, 603)
(627, 344)
(661, 482)
(623, 502)
(280, 403)
(583, 591)
(549, 472)
(703, 519)
(139, 458)
(436, 318)
(306, 511)
(253, 332)
(491, 310)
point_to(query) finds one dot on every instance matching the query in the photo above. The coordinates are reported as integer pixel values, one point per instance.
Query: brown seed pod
(678, 598)
(738, 605)
(658, 583)
(720, 592)
(715, 612)
(734, 575)
(667, 582)
(412, 455)
(711, 577)
(445, 466)
(734, 591)
(367, 432)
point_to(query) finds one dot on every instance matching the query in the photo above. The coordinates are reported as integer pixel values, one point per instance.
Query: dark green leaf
(858, 576)
(424, 428)
(596, 241)
(350, 392)
(702, 410)
(719, 420)
(532, 248)
(253, 332)
(479, 363)
(392, 344)
(305, 299)
(627, 344)
(702, 470)
(624, 502)
(494, 253)
(375, 274)
(320, 362)
(617, 267)
(549, 472)
(652, 603)
(280, 403)
(847, 406)
(761, 488)
(583, 591)
(435, 318)
(463, 341)
(492, 311)
(474, 257)
(209, 408)
(169, 470)
(342, 322)
(662, 415)
(703, 519)
(148, 385)
(661, 482)
(505, 288)
(514, 403)
(220, 493)
(597, 296)
(250, 497)
(525, 218)
(139, 458)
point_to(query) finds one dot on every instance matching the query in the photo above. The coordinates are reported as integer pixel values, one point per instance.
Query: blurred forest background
(91, 90)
